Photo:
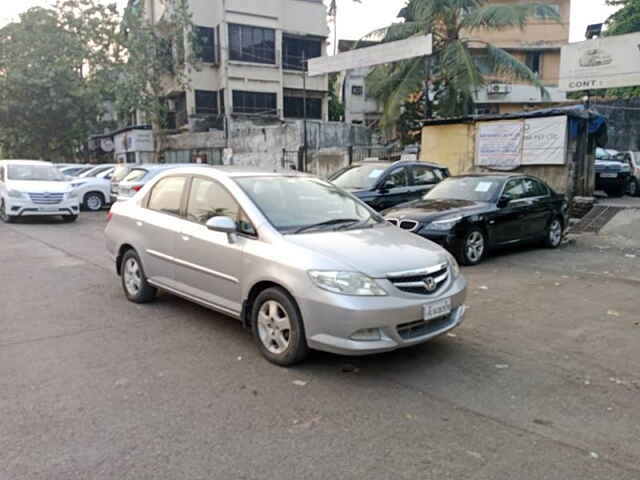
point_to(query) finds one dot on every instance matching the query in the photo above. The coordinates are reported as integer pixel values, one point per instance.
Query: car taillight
(136, 188)
(109, 216)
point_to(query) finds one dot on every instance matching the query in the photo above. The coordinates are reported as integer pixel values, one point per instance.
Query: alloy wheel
(555, 233)
(633, 188)
(94, 203)
(274, 327)
(132, 277)
(474, 246)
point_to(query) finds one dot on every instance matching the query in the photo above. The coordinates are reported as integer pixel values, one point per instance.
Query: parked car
(33, 188)
(471, 214)
(140, 175)
(74, 170)
(612, 172)
(324, 272)
(120, 172)
(94, 192)
(383, 185)
(633, 160)
(103, 171)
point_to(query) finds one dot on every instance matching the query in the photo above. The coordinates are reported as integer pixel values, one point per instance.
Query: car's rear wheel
(277, 327)
(134, 281)
(93, 201)
(4, 216)
(555, 231)
(634, 191)
(69, 218)
(473, 247)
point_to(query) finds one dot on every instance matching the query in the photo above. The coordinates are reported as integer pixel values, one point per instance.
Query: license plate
(608, 175)
(436, 309)
(48, 209)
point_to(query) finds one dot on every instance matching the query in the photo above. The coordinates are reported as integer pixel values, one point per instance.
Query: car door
(508, 221)
(158, 228)
(210, 264)
(423, 179)
(393, 189)
(539, 207)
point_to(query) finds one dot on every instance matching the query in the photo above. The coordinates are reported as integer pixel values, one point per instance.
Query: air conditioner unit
(498, 89)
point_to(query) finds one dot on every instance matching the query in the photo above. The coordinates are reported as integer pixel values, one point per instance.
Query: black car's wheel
(134, 281)
(69, 218)
(93, 201)
(472, 248)
(634, 189)
(554, 233)
(4, 216)
(277, 327)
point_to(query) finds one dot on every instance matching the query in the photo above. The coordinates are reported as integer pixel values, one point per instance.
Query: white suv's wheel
(93, 201)
(4, 216)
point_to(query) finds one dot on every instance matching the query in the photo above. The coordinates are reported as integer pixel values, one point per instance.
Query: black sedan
(471, 214)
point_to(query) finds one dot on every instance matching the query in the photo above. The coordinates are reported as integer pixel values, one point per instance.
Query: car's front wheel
(277, 327)
(555, 231)
(473, 247)
(134, 281)
(93, 201)
(634, 191)
(4, 216)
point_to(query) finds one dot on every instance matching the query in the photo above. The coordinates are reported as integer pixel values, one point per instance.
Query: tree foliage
(625, 20)
(462, 63)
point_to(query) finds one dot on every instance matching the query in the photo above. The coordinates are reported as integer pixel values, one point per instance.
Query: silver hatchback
(300, 262)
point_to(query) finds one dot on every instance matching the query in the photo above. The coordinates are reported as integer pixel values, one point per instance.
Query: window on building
(206, 102)
(294, 107)
(255, 102)
(357, 90)
(164, 55)
(542, 11)
(295, 50)
(205, 44)
(534, 62)
(252, 44)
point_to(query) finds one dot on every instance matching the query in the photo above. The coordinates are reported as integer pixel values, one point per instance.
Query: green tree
(461, 63)
(336, 107)
(54, 66)
(625, 20)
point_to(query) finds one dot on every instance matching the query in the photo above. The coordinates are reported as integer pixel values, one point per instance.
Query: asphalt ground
(542, 381)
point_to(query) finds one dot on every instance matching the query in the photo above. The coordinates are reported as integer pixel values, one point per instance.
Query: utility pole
(305, 66)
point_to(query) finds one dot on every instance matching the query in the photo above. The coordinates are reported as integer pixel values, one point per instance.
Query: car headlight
(15, 194)
(347, 283)
(72, 194)
(77, 184)
(455, 268)
(443, 225)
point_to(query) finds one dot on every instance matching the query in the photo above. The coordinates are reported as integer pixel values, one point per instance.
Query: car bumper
(607, 182)
(26, 208)
(331, 322)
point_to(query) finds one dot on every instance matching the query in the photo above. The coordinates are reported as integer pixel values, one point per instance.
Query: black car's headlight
(443, 225)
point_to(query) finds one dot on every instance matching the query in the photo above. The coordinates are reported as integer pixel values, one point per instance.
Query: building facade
(251, 57)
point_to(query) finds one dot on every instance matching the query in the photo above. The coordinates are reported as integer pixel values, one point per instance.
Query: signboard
(499, 144)
(507, 145)
(134, 141)
(608, 62)
(371, 56)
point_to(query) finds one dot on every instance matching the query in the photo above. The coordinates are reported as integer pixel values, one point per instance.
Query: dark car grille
(410, 225)
(46, 198)
(421, 328)
(428, 281)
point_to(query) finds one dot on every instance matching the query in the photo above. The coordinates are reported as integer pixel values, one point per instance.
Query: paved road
(541, 382)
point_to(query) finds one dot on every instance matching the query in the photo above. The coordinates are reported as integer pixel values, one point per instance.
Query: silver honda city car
(302, 263)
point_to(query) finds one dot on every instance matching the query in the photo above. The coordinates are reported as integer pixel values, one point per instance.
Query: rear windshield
(119, 173)
(359, 177)
(135, 175)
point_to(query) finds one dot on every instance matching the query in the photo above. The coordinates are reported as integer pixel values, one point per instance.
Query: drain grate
(596, 219)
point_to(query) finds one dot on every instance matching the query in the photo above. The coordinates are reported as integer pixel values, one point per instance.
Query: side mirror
(503, 202)
(222, 225)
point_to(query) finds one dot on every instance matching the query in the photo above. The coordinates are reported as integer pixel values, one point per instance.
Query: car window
(397, 178)
(135, 175)
(424, 176)
(514, 190)
(119, 173)
(533, 188)
(209, 199)
(358, 177)
(166, 195)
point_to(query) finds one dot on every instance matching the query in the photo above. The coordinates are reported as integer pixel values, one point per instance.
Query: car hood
(428, 210)
(39, 186)
(376, 251)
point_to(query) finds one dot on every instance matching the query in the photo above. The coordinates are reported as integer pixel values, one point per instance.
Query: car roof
(495, 175)
(24, 162)
(382, 163)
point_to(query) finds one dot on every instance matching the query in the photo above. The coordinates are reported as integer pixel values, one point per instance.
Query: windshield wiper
(328, 223)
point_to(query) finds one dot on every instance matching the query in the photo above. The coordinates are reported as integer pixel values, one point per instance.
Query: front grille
(420, 328)
(428, 281)
(46, 198)
(410, 225)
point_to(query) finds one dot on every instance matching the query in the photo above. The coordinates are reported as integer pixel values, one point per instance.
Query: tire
(93, 201)
(634, 188)
(4, 216)
(472, 248)
(555, 232)
(134, 281)
(277, 328)
(69, 218)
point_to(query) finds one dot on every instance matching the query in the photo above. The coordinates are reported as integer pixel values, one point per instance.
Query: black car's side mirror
(504, 202)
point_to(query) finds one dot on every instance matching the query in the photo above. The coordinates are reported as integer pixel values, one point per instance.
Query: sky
(357, 19)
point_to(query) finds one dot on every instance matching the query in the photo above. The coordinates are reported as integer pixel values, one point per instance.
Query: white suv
(94, 187)
(35, 188)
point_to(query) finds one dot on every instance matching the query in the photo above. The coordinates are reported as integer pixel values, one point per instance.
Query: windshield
(476, 189)
(119, 173)
(359, 177)
(93, 172)
(135, 175)
(42, 173)
(297, 204)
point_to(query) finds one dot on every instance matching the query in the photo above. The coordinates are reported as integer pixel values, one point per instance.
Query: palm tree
(461, 64)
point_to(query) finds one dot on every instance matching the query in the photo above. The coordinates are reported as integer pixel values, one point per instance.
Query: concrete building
(252, 60)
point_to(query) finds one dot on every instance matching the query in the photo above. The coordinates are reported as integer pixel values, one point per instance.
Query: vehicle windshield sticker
(484, 187)
(375, 173)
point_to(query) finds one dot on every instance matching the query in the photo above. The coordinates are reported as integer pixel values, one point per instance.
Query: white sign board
(607, 62)
(371, 56)
(134, 141)
(545, 141)
(499, 144)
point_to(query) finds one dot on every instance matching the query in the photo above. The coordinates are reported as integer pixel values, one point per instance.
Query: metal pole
(427, 76)
(304, 109)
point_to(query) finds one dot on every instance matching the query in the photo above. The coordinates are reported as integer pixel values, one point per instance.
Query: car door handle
(186, 238)
(139, 223)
